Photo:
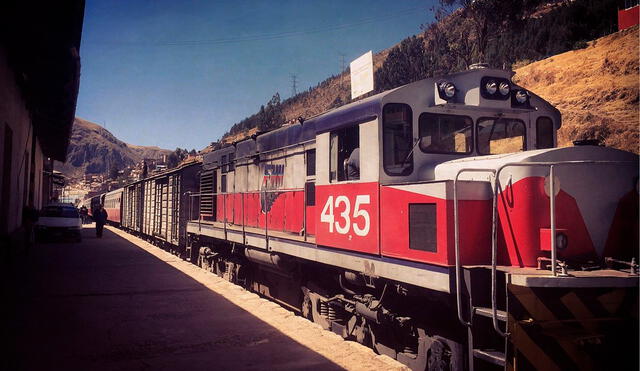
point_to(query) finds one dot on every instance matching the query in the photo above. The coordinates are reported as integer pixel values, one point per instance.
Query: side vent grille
(206, 193)
(422, 227)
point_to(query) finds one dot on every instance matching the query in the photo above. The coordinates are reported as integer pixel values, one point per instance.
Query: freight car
(156, 207)
(436, 222)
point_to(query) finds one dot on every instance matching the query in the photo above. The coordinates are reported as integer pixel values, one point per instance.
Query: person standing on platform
(100, 217)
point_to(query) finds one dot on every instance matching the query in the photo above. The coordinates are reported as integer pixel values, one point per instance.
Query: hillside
(92, 149)
(595, 88)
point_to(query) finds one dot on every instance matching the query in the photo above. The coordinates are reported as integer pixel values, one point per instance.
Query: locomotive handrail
(456, 228)
(496, 188)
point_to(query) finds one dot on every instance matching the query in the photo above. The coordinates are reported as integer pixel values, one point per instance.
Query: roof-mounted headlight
(522, 96)
(504, 89)
(491, 87)
(495, 88)
(447, 90)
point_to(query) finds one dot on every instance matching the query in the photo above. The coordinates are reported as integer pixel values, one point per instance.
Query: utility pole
(294, 85)
(342, 56)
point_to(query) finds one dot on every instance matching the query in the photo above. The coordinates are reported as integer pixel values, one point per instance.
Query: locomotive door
(214, 197)
(310, 193)
(346, 194)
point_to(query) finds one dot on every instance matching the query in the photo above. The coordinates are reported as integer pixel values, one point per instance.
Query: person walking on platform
(84, 214)
(100, 216)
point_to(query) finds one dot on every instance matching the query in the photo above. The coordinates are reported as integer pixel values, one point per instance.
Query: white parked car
(59, 220)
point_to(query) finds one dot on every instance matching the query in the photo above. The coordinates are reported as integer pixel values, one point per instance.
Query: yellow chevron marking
(579, 310)
(611, 301)
(532, 303)
(531, 351)
(551, 326)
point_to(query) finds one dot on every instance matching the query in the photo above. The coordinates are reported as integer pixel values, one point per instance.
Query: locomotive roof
(361, 111)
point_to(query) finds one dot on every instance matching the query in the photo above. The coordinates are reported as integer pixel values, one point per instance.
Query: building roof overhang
(43, 43)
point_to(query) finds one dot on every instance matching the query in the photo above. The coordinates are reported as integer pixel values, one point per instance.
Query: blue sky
(180, 73)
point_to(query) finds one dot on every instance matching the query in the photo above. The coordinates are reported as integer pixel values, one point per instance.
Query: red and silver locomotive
(436, 222)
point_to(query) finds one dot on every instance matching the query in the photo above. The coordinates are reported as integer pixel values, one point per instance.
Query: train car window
(223, 163)
(344, 152)
(223, 184)
(232, 157)
(397, 139)
(445, 133)
(544, 133)
(311, 162)
(500, 135)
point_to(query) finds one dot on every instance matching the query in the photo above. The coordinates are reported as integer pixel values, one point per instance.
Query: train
(438, 223)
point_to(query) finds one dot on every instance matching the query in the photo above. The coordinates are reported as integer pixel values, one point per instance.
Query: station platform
(108, 304)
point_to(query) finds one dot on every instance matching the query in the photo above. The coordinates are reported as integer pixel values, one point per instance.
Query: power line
(257, 37)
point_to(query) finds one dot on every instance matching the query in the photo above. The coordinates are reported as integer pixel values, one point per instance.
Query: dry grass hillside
(595, 88)
(322, 99)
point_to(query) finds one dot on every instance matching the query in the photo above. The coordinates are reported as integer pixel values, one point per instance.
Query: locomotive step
(488, 312)
(490, 355)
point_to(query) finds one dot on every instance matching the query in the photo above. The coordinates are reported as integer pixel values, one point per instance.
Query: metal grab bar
(457, 238)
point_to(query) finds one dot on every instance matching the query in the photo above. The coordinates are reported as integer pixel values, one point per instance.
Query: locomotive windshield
(500, 135)
(445, 133)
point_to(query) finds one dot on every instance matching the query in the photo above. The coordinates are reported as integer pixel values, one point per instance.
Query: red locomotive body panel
(475, 225)
(284, 210)
(347, 216)
(523, 210)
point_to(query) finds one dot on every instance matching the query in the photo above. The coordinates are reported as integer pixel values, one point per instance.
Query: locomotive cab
(486, 114)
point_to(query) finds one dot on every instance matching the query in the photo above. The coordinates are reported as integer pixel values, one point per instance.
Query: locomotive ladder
(496, 357)
(490, 355)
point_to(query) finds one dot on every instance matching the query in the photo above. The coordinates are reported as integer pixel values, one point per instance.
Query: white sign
(362, 75)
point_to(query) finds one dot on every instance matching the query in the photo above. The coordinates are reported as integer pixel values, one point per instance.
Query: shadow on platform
(107, 304)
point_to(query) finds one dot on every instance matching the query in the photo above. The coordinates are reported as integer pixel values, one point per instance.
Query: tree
(405, 63)
(176, 157)
(480, 22)
(113, 171)
(271, 117)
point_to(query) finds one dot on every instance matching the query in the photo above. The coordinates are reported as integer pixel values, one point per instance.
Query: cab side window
(544, 133)
(344, 152)
(397, 139)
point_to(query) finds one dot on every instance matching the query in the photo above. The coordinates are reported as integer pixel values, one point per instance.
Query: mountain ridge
(94, 149)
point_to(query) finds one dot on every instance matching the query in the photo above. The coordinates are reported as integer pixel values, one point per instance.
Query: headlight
(491, 87)
(504, 88)
(448, 90)
(562, 241)
(522, 96)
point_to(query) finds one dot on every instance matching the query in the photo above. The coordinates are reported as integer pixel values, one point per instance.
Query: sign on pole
(362, 75)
